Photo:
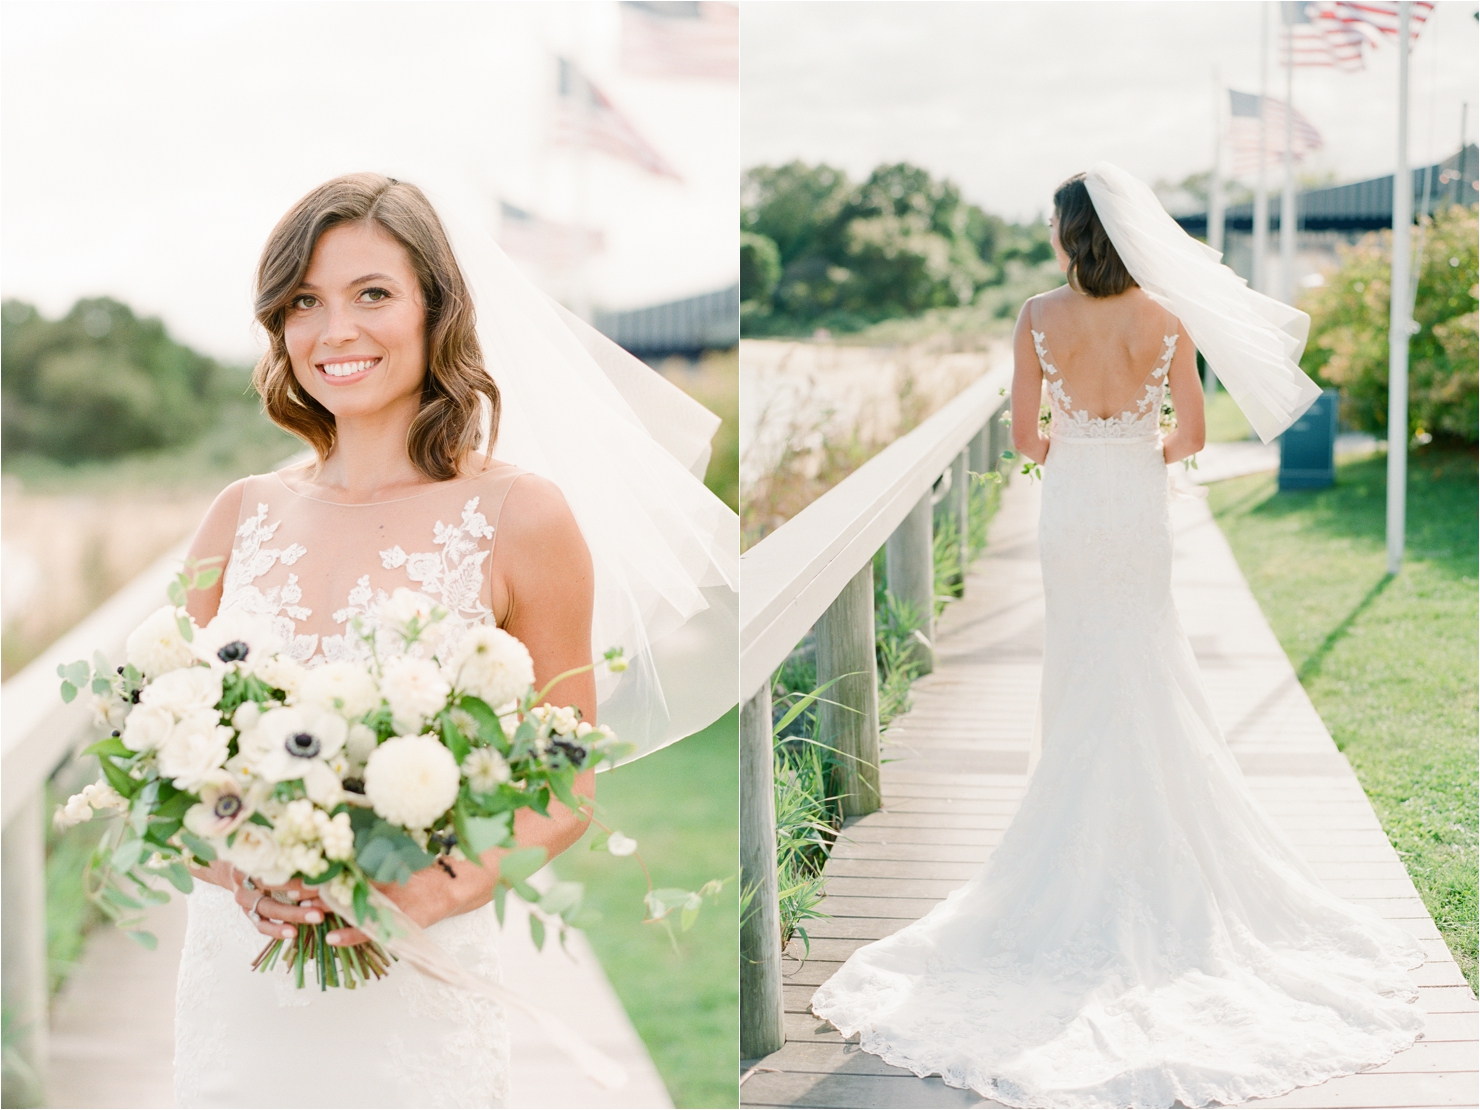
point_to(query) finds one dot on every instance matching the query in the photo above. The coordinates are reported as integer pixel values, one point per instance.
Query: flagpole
(1215, 200)
(1261, 190)
(1287, 199)
(1398, 317)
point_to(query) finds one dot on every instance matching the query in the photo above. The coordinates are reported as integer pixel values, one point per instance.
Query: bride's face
(356, 327)
(1058, 247)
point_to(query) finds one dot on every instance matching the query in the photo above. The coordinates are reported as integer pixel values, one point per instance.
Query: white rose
(361, 743)
(490, 664)
(247, 714)
(342, 686)
(281, 673)
(255, 850)
(236, 636)
(411, 780)
(184, 691)
(156, 646)
(194, 748)
(406, 612)
(486, 770)
(415, 690)
(147, 727)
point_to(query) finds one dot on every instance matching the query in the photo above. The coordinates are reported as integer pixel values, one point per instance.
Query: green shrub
(101, 382)
(1348, 348)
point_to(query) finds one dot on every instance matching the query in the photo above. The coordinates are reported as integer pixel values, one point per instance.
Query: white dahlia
(156, 646)
(490, 664)
(411, 780)
(486, 769)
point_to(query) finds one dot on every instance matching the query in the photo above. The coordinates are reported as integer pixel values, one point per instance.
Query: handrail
(790, 578)
(37, 730)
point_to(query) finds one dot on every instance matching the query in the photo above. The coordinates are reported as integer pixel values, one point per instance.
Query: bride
(1144, 933)
(376, 360)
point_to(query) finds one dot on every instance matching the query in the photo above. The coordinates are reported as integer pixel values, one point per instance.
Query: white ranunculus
(415, 690)
(486, 769)
(221, 809)
(194, 748)
(156, 646)
(490, 664)
(619, 845)
(407, 612)
(255, 850)
(411, 780)
(147, 727)
(281, 673)
(342, 686)
(247, 714)
(236, 636)
(184, 691)
(297, 742)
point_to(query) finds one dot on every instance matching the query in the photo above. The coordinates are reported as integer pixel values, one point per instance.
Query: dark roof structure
(1358, 206)
(686, 327)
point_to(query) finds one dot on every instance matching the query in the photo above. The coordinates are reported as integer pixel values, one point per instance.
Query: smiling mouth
(347, 369)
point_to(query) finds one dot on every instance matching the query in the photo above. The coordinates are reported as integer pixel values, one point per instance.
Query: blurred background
(899, 165)
(149, 148)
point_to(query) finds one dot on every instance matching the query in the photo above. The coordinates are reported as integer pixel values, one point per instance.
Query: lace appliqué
(1140, 417)
(452, 576)
(250, 561)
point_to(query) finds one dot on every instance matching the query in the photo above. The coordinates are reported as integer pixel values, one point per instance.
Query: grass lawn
(682, 806)
(1390, 663)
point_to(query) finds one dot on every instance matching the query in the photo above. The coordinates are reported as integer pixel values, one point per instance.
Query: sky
(147, 149)
(1009, 98)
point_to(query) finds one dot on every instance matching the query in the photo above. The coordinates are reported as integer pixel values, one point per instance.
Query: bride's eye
(303, 301)
(375, 293)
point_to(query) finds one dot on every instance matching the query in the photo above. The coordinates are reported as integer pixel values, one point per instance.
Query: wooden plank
(809, 1089)
(1377, 1089)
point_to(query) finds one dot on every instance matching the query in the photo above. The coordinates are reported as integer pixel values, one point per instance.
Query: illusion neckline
(431, 487)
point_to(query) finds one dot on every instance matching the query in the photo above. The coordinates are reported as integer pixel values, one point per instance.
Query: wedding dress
(247, 1039)
(1143, 933)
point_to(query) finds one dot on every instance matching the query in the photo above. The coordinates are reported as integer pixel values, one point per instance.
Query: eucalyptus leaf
(187, 630)
(522, 863)
(69, 692)
(499, 892)
(127, 854)
(537, 932)
(148, 940)
(482, 833)
(561, 897)
(179, 876)
(198, 847)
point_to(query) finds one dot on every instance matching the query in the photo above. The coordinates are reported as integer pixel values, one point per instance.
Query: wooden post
(23, 953)
(761, 1029)
(910, 569)
(961, 497)
(845, 646)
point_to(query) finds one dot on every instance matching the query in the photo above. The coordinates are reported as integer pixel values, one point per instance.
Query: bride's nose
(339, 325)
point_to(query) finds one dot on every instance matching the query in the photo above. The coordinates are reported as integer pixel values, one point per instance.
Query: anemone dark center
(304, 745)
(233, 652)
(228, 805)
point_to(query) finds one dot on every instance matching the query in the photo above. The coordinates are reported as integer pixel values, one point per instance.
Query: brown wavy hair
(1094, 267)
(449, 424)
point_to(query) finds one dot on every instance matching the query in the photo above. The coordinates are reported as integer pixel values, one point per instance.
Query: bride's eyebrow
(357, 281)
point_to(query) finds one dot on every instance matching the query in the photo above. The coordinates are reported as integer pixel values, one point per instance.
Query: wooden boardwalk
(958, 768)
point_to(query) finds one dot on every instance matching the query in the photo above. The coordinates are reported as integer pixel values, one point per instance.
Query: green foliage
(1349, 330)
(1389, 662)
(846, 256)
(100, 383)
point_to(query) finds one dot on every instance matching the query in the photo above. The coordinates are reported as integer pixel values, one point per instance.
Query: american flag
(546, 243)
(1243, 132)
(585, 117)
(684, 40)
(1338, 33)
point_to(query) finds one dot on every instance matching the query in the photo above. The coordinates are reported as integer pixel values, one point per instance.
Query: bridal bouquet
(356, 772)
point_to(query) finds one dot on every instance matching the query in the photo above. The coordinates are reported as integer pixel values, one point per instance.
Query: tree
(99, 382)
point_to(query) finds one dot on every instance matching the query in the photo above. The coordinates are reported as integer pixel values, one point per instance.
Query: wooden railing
(38, 732)
(817, 570)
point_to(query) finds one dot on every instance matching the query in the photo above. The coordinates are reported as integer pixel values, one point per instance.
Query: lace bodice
(316, 567)
(1137, 418)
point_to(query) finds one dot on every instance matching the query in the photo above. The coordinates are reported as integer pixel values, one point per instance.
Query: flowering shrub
(1348, 347)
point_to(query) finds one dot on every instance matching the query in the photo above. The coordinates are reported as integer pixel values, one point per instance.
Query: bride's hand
(431, 895)
(275, 919)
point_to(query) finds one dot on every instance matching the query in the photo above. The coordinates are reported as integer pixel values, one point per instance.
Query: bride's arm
(1187, 400)
(1027, 393)
(544, 569)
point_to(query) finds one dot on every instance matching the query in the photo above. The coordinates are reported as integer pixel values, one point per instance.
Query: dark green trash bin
(1308, 447)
